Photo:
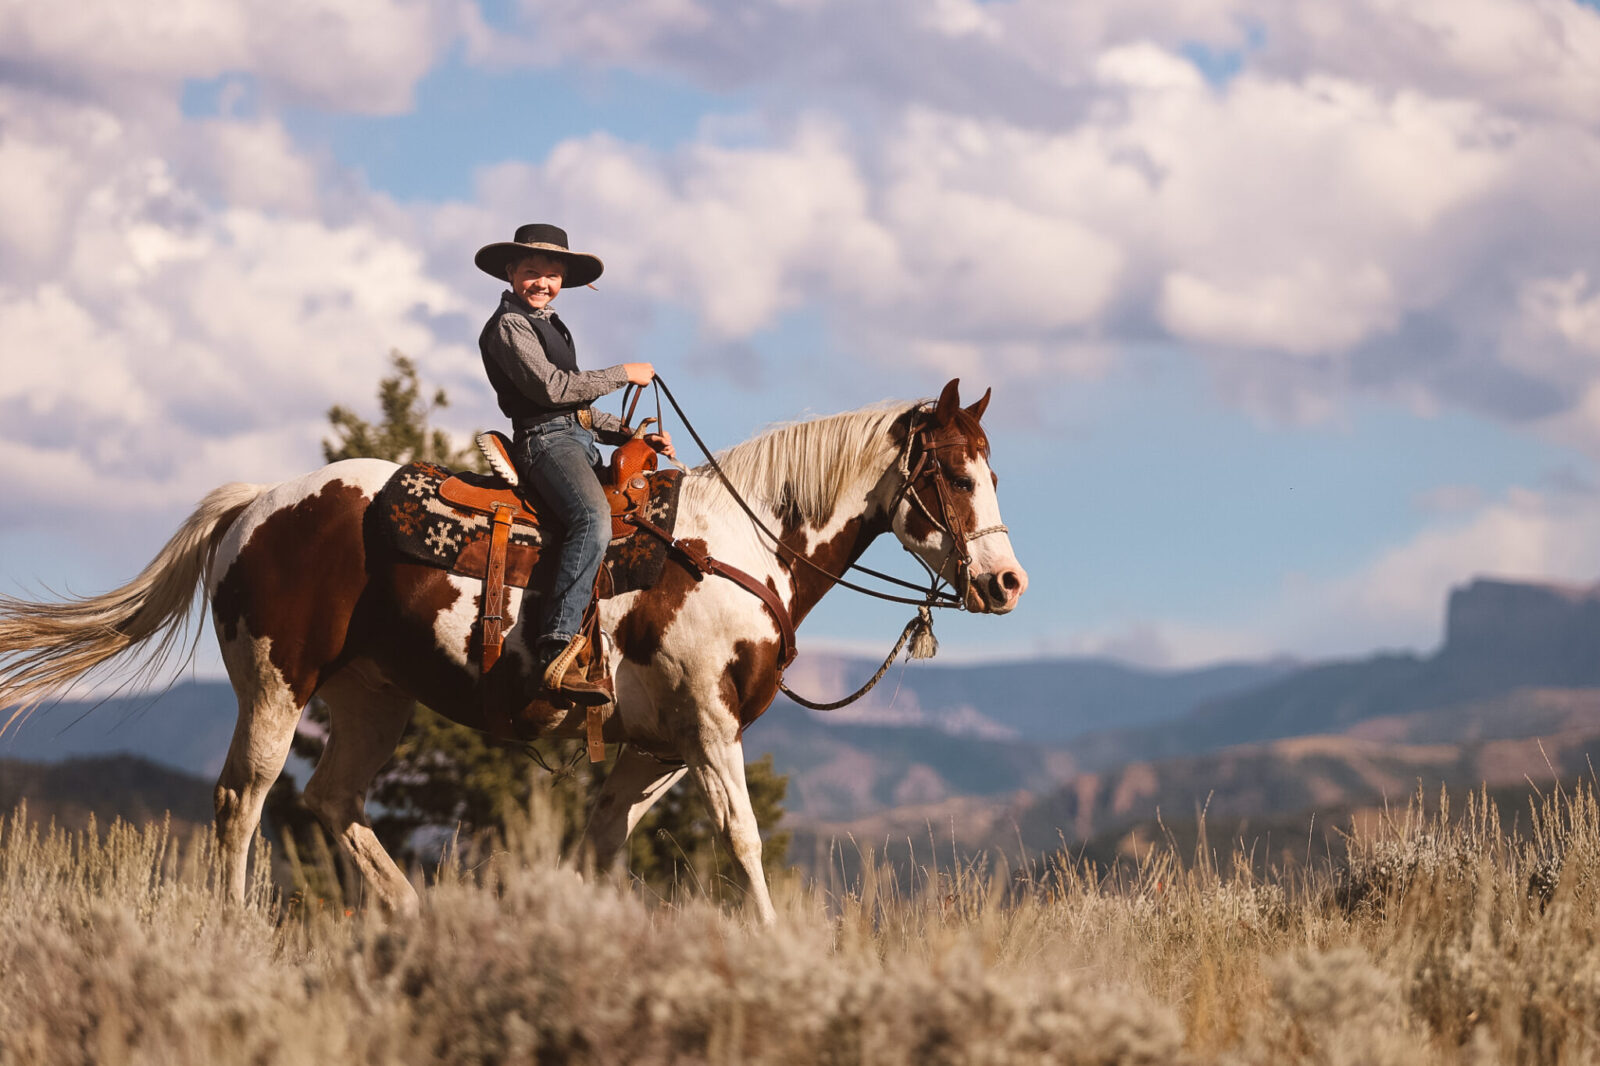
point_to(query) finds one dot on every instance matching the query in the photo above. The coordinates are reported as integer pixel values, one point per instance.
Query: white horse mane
(809, 465)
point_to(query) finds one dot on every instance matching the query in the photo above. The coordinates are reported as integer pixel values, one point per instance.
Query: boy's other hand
(661, 442)
(640, 373)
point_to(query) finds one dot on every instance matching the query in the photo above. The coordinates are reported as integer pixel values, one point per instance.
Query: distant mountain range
(106, 787)
(930, 732)
(186, 727)
(1531, 735)
(1049, 701)
(927, 733)
(1512, 696)
(1045, 752)
(1500, 636)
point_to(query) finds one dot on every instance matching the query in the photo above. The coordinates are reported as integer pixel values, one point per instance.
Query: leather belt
(583, 415)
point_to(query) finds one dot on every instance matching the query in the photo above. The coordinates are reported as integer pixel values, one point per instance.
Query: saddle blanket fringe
(423, 528)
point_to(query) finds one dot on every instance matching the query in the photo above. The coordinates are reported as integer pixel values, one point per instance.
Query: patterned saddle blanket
(424, 527)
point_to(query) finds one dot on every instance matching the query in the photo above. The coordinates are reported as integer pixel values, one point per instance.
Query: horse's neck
(834, 466)
(830, 550)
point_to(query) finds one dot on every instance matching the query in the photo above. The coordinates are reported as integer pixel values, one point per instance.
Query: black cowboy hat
(539, 238)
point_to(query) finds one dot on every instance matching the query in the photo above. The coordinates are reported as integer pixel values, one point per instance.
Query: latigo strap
(492, 609)
(705, 564)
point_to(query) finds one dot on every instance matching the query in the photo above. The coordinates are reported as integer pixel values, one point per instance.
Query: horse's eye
(963, 483)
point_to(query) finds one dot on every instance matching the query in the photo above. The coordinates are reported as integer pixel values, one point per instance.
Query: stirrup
(578, 689)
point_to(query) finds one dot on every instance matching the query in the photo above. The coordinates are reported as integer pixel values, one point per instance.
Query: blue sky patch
(236, 96)
(1219, 65)
(467, 118)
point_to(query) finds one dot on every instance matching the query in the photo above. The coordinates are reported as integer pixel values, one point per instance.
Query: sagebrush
(1441, 938)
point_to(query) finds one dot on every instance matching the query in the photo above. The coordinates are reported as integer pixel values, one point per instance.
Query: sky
(1291, 311)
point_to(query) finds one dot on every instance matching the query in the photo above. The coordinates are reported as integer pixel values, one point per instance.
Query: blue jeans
(558, 461)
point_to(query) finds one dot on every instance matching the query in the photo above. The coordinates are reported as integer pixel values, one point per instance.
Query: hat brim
(582, 268)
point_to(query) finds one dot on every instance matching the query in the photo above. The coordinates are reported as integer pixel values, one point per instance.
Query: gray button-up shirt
(517, 350)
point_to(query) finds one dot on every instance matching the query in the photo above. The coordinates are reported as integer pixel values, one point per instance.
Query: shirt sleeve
(608, 428)
(518, 351)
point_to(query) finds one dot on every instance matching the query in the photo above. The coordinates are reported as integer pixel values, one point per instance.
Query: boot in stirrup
(564, 675)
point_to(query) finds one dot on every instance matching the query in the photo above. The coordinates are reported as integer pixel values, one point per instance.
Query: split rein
(919, 631)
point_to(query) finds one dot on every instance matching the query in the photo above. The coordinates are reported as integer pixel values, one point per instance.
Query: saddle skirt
(437, 517)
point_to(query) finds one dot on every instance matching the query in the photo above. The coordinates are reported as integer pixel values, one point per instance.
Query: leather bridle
(946, 521)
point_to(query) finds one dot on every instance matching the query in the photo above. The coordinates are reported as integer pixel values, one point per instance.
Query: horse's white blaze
(991, 553)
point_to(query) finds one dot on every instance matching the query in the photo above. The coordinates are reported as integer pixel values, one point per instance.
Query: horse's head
(945, 510)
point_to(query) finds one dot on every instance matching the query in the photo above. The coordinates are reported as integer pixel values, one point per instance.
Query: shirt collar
(516, 303)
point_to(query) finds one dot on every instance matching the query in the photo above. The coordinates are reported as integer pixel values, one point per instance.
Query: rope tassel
(924, 645)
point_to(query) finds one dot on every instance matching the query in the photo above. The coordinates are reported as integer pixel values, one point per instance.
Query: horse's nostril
(1010, 581)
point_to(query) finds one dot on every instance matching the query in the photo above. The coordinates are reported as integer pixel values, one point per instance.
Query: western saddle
(627, 489)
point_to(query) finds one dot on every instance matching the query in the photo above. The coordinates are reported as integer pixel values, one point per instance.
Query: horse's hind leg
(268, 713)
(631, 789)
(366, 718)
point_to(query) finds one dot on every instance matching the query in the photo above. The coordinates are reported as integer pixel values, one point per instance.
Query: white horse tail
(44, 647)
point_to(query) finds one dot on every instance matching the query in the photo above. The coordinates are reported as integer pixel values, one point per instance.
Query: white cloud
(252, 164)
(1298, 222)
(741, 235)
(1394, 600)
(1397, 599)
(1312, 309)
(356, 55)
(1361, 207)
(1295, 224)
(151, 336)
(1566, 309)
(1527, 57)
(1166, 644)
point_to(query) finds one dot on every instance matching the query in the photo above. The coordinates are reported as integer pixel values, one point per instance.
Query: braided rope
(923, 621)
(998, 527)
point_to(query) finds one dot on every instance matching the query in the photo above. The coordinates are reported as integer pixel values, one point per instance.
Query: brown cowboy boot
(564, 673)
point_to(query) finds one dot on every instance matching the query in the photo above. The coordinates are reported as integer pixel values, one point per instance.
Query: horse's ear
(949, 400)
(977, 409)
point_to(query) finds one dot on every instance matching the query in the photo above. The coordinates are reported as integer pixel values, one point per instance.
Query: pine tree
(446, 779)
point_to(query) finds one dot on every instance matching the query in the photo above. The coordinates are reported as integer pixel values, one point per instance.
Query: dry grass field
(1445, 938)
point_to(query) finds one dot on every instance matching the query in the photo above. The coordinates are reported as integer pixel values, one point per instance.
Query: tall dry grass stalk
(1445, 937)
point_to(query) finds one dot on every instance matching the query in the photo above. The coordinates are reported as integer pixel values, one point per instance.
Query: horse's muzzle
(996, 592)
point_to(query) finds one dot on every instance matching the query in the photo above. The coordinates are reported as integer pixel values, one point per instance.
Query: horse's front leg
(718, 768)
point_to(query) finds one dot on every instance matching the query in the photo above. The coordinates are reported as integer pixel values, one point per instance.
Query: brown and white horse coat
(307, 601)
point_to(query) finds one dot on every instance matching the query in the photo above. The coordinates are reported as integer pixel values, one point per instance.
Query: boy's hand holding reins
(661, 442)
(642, 374)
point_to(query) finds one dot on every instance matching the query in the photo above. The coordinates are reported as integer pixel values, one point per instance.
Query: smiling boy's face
(537, 279)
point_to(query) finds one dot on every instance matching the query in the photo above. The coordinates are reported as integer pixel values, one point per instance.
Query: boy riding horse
(531, 361)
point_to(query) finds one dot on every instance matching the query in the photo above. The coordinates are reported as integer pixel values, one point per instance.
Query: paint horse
(308, 601)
